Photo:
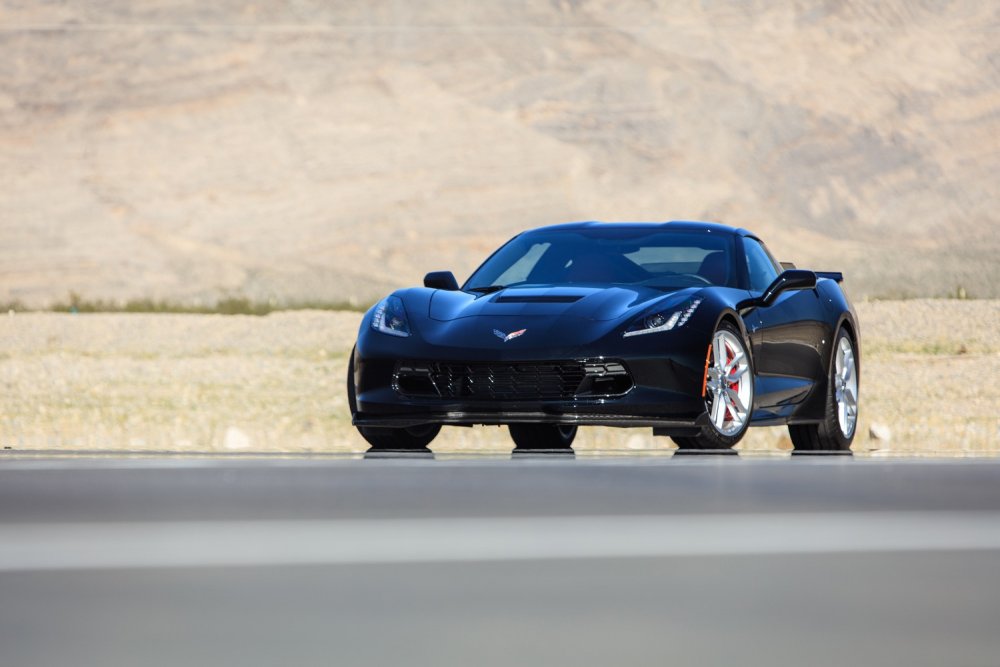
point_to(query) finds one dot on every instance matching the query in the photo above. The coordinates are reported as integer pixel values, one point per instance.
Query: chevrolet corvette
(689, 328)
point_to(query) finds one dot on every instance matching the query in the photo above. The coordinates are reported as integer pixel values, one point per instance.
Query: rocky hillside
(335, 150)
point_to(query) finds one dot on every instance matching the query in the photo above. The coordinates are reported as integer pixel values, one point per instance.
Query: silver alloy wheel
(729, 384)
(846, 387)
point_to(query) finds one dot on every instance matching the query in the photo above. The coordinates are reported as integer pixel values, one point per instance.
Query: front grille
(505, 381)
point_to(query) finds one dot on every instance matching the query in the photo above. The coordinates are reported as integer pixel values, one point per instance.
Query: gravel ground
(275, 383)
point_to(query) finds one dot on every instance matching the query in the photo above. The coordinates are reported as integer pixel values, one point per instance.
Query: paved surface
(165, 561)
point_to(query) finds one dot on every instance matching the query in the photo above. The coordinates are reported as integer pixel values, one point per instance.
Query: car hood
(588, 303)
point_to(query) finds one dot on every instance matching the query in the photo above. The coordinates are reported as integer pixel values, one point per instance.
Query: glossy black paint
(787, 281)
(790, 328)
(444, 280)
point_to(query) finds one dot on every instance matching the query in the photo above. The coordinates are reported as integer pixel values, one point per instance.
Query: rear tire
(730, 380)
(542, 436)
(415, 438)
(836, 432)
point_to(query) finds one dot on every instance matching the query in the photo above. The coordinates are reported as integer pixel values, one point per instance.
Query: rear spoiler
(829, 275)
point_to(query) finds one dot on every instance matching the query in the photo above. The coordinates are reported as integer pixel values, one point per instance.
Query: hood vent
(569, 298)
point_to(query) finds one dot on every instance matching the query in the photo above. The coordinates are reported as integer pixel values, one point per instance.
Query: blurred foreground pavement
(109, 562)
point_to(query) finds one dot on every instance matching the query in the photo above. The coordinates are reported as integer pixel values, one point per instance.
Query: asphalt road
(638, 561)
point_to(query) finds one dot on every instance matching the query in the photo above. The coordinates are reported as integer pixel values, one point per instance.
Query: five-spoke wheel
(845, 382)
(836, 431)
(728, 392)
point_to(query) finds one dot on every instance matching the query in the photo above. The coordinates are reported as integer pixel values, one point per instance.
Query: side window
(759, 265)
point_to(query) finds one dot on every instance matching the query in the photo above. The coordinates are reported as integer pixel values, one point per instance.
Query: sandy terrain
(275, 383)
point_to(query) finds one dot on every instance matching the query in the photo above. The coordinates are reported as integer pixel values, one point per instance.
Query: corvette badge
(505, 336)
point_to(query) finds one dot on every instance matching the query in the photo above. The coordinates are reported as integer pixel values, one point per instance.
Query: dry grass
(275, 383)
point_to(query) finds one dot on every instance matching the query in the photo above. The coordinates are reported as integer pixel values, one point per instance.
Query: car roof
(673, 225)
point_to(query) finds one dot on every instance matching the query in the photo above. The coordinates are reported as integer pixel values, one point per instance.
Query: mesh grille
(513, 381)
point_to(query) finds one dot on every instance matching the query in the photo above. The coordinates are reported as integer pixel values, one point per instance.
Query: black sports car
(690, 328)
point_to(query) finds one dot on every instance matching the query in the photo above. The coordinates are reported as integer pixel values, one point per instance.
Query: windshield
(610, 256)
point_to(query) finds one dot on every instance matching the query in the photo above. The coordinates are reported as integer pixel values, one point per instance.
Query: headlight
(664, 321)
(390, 317)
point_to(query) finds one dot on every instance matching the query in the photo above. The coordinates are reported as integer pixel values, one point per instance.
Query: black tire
(688, 442)
(542, 436)
(826, 436)
(710, 438)
(407, 439)
(415, 438)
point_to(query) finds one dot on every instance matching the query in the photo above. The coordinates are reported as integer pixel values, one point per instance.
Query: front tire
(728, 392)
(542, 436)
(836, 432)
(415, 438)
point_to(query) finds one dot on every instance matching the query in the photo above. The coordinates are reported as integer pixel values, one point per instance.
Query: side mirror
(441, 280)
(792, 279)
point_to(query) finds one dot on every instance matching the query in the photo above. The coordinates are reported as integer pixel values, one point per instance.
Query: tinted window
(518, 271)
(611, 256)
(759, 264)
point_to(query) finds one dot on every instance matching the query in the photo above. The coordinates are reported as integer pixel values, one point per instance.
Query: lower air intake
(513, 381)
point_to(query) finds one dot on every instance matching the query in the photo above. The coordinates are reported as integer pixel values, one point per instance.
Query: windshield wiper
(489, 289)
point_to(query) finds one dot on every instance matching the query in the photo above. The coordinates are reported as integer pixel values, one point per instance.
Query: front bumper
(665, 391)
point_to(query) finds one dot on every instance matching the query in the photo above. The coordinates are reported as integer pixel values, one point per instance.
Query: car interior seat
(714, 268)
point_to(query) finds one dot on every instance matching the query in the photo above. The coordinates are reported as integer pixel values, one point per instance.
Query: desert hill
(337, 150)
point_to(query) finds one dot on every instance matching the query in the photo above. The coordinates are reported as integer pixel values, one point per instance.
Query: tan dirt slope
(276, 383)
(336, 150)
